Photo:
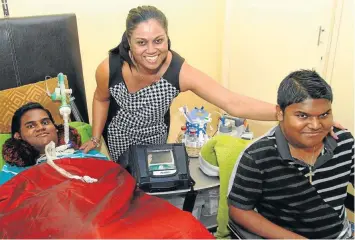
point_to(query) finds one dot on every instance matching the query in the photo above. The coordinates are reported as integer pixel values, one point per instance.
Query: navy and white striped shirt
(268, 178)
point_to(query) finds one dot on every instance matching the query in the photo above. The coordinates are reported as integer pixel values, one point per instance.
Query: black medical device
(160, 167)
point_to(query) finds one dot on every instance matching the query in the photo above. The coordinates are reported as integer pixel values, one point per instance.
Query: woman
(138, 81)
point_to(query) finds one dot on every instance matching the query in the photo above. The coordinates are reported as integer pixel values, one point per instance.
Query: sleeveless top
(142, 117)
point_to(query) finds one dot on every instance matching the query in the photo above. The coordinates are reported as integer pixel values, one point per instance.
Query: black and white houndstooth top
(142, 117)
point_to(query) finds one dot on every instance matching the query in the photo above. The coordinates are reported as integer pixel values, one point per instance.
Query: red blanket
(40, 203)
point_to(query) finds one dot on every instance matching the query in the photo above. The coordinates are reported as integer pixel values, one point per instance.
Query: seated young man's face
(37, 129)
(306, 124)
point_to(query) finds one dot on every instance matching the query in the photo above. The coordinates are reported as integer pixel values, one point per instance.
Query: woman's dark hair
(135, 17)
(301, 85)
(16, 119)
(142, 14)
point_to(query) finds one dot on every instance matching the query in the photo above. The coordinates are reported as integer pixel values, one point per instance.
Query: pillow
(13, 98)
(3, 138)
(84, 129)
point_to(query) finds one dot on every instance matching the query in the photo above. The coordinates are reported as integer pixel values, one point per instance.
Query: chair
(238, 232)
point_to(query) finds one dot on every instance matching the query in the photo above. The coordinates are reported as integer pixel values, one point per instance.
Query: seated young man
(296, 176)
(32, 128)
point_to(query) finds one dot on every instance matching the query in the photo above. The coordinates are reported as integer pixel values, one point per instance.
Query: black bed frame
(32, 48)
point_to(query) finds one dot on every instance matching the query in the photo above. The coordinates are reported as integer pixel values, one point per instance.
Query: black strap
(190, 197)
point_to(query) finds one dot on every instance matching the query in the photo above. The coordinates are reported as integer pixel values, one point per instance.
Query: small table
(202, 182)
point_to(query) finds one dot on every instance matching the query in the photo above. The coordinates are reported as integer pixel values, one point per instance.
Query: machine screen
(159, 160)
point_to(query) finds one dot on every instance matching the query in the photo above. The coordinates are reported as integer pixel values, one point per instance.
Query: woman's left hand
(338, 125)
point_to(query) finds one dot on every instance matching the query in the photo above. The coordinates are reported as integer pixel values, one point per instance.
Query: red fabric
(40, 203)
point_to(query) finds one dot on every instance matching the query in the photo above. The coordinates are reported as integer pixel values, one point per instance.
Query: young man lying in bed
(32, 128)
(50, 205)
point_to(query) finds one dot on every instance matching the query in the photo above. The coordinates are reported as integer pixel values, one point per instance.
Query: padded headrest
(32, 48)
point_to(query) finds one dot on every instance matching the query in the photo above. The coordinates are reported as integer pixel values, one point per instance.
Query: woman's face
(149, 45)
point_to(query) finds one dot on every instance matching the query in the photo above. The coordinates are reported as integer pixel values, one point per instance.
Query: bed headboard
(32, 48)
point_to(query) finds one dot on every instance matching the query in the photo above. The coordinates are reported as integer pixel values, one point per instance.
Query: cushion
(13, 98)
(223, 151)
(84, 129)
(3, 138)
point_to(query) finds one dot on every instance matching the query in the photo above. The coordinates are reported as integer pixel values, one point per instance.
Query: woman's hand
(89, 145)
(338, 125)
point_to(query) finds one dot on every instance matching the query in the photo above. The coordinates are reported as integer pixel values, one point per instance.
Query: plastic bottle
(191, 138)
(182, 136)
(227, 127)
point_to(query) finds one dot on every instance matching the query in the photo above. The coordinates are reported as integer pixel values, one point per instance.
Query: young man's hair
(301, 85)
(16, 119)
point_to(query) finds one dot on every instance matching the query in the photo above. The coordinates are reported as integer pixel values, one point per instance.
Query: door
(266, 40)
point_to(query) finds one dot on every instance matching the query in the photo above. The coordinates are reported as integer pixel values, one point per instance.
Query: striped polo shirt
(267, 178)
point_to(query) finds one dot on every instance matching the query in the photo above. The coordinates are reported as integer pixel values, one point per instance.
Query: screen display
(160, 160)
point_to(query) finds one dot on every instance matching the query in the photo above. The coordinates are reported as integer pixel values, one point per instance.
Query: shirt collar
(282, 146)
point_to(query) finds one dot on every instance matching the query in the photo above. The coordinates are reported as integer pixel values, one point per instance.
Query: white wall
(254, 57)
(266, 40)
(194, 28)
(340, 69)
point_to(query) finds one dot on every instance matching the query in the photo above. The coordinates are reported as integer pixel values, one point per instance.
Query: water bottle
(182, 135)
(191, 138)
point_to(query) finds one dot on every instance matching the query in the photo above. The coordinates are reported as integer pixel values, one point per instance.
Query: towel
(223, 151)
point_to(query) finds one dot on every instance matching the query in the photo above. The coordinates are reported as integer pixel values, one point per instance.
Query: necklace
(310, 174)
(155, 77)
(310, 164)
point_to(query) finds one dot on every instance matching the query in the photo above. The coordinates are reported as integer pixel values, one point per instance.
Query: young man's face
(37, 129)
(306, 124)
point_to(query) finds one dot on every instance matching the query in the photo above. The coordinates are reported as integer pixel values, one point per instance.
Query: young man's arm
(245, 192)
(349, 201)
(352, 165)
(257, 224)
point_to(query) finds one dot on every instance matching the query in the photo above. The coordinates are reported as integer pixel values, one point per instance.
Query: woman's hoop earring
(132, 59)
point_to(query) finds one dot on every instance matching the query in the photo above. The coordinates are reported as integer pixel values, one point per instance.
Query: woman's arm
(233, 103)
(100, 105)
(259, 225)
